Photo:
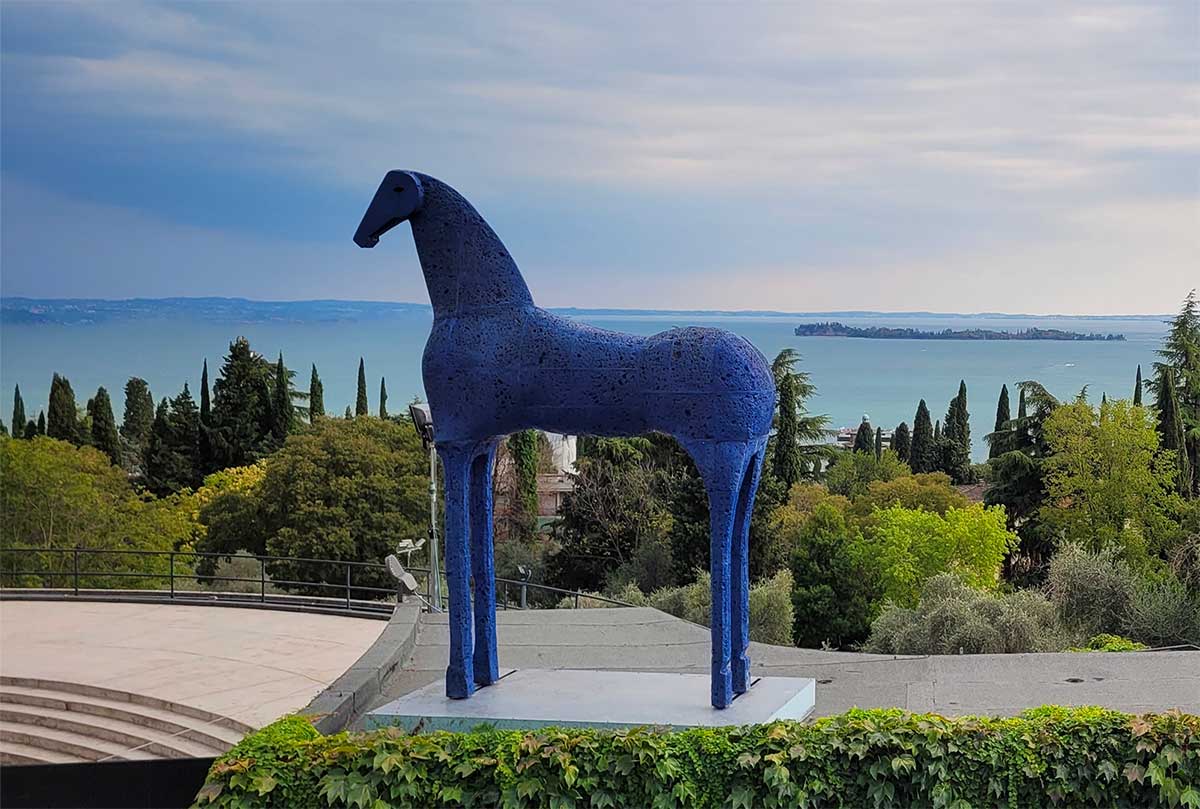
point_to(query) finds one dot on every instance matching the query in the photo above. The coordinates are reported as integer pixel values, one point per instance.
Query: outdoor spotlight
(408, 583)
(422, 419)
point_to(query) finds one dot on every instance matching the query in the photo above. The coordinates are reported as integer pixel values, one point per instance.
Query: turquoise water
(882, 378)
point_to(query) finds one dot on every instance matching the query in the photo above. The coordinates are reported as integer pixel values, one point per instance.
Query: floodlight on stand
(422, 419)
(407, 582)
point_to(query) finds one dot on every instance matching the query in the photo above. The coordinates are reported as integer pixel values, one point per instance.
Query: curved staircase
(55, 722)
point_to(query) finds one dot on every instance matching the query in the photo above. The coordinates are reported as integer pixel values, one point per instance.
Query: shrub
(770, 604)
(1090, 591)
(953, 618)
(1109, 643)
(853, 472)
(1161, 612)
(1065, 756)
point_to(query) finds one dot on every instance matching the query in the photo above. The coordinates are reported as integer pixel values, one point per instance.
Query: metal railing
(347, 596)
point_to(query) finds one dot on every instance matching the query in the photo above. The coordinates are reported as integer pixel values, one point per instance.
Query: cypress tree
(1021, 413)
(3, 428)
(361, 407)
(157, 462)
(1103, 399)
(104, 427)
(921, 452)
(41, 422)
(383, 414)
(864, 439)
(184, 441)
(937, 431)
(1137, 388)
(349, 414)
(957, 426)
(242, 412)
(1002, 418)
(786, 461)
(205, 400)
(18, 414)
(878, 443)
(63, 419)
(316, 397)
(902, 441)
(1170, 427)
(31, 430)
(281, 407)
(139, 412)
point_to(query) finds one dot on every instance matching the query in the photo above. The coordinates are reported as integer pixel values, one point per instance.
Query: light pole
(422, 420)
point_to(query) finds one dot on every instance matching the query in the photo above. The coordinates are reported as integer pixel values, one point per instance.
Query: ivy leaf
(741, 797)
(1190, 797)
(264, 784)
(747, 760)
(209, 792)
(1135, 772)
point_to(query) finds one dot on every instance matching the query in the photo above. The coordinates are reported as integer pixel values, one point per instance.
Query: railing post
(172, 574)
(262, 580)
(75, 565)
(347, 586)
(576, 599)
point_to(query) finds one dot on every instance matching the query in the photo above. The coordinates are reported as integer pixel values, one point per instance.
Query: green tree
(139, 412)
(834, 591)
(853, 472)
(1181, 356)
(922, 455)
(1170, 428)
(1003, 417)
(1109, 485)
(207, 456)
(242, 412)
(786, 462)
(523, 450)
(344, 490)
(958, 419)
(18, 414)
(930, 491)
(316, 397)
(902, 441)
(878, 443)
(797, 449)
(1137, 387)
(864, 439)
(909, 546)
(31, 430)
(59, 496)
(361, 407)
(41, 422)
(63, 418)
(104, 427)
(383, 411)
(282, 409)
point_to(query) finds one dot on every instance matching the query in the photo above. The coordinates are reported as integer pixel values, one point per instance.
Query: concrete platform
(644, 639)
(535, 698)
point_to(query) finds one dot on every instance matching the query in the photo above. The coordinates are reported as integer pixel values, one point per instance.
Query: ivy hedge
(880, 758)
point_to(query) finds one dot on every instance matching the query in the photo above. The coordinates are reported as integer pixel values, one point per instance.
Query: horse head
(400, 195)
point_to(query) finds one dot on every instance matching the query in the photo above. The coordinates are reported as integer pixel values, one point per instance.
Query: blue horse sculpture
(496, 364)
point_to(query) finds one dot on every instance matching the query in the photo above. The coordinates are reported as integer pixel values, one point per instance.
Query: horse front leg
(483, 569)
(721, 465)
(739, 596)
(456, 466)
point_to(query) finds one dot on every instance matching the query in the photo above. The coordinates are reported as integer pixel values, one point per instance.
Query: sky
(1012, 156)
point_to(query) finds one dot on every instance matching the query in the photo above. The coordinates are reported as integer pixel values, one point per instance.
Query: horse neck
(466, 266)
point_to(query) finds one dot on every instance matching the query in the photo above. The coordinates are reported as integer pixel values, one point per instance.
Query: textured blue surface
(496, 364)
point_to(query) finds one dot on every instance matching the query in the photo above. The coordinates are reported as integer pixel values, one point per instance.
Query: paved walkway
(645, 639)
(247, 664)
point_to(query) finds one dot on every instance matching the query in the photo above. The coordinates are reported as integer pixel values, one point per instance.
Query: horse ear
(398, 197)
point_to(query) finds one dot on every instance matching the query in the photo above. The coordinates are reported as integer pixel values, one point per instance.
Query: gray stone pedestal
(535, 698)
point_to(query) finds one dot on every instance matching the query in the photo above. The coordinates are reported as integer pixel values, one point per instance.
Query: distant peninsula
(831, 329)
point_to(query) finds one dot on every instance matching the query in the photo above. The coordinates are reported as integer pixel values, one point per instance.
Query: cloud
(917, 135)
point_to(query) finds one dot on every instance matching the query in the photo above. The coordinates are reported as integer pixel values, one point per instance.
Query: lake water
(882, 378)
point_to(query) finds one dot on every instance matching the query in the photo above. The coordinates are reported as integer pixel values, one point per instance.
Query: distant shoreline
(83, 311)
(832, 329)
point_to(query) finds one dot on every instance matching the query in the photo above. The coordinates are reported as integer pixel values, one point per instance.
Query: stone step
(60, 741)
(16, 753)
(210, 734)
(112, 694)
(88, 726)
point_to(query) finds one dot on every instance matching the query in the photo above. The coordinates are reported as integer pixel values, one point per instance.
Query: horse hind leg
(486, 666)
(739, 596)
(456, 465)
(722, 465)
